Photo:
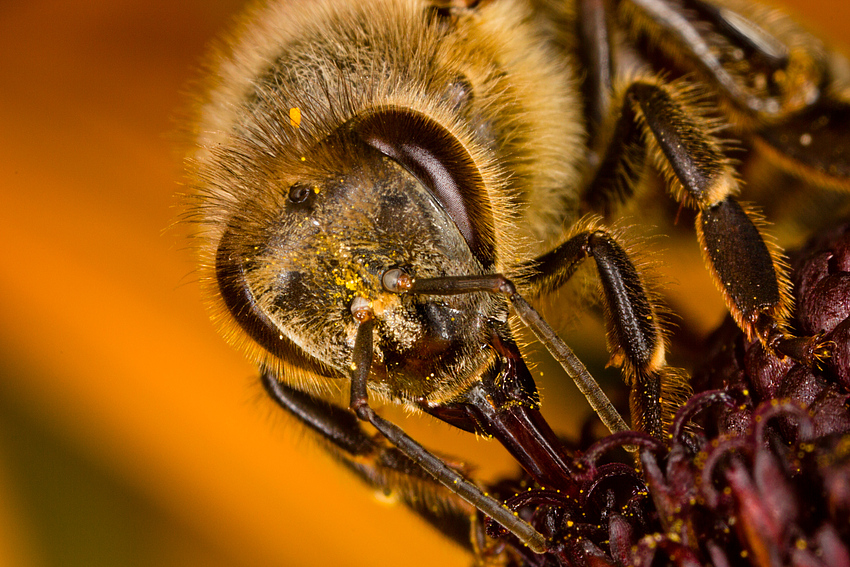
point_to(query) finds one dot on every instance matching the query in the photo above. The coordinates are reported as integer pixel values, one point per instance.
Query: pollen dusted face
(334, 236)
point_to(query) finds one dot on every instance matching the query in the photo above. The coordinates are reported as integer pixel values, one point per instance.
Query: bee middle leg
(666, 123)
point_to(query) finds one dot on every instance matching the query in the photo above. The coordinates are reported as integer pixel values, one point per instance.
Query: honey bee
(379, 187)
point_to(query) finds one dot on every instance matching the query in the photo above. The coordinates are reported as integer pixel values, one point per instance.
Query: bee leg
(595, 54)
(750, 274)
(635, 333)
(699, 35)
(618, 171)
(798, 109)
(813, 145)
(372, 459)
(433, 465)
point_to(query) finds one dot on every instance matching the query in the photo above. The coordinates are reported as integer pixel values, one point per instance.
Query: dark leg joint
(809, 351)
(554, 269)
(362, 410)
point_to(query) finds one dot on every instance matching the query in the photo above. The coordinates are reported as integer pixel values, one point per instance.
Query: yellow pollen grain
(295, 118)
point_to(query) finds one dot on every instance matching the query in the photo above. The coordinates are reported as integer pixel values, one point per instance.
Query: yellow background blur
(130, 434)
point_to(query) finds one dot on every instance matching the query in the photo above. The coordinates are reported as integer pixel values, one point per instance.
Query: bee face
(290, 276)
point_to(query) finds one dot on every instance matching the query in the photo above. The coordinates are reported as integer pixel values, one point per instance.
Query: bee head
(389, 189)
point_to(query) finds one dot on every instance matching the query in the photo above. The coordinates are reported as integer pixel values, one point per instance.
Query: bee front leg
(635, 332)
(430, 463)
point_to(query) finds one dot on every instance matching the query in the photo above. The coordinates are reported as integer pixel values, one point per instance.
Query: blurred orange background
(130, 434)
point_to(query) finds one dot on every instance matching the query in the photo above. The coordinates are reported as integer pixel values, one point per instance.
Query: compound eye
(232, 276)
(434, 156)
(299, 193)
